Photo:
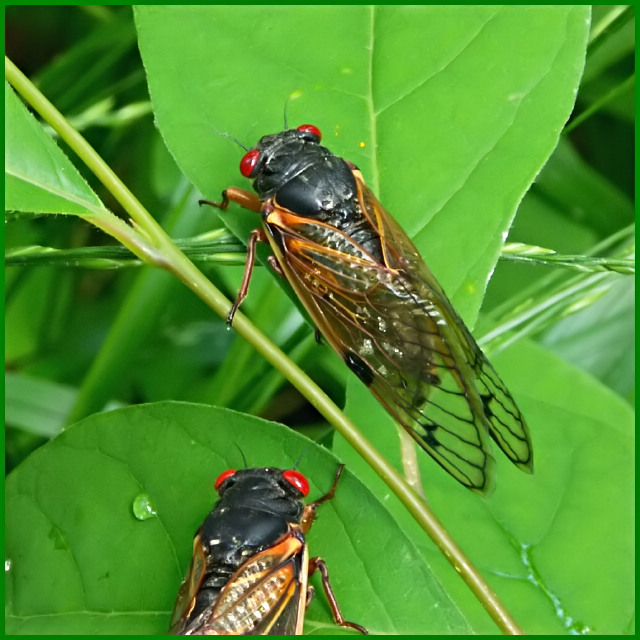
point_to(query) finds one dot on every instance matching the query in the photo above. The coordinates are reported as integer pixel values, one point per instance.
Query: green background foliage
(451, 113)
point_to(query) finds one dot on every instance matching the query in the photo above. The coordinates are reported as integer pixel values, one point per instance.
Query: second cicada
(250, 566)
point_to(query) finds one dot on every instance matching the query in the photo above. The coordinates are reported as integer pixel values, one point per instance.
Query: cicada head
(279, 157)
(266, 489)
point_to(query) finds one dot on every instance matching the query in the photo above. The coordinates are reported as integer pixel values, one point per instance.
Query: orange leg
(319, 564)
(257, 235)
(316, 564)
(253, 203)
(244, 198)
(309, 514)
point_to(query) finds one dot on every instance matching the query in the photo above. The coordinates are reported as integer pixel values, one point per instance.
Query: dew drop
(143, 508)
(579, 628)
(7, 565)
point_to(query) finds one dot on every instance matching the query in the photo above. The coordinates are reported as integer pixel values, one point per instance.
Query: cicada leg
(244, 198)
(319, 564)
(248, 201)
(309, 514)
(257, 235)
(251, 202)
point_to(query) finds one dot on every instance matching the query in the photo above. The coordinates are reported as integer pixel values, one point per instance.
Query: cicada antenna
(226, 135)
(302, 455)
(244, 460)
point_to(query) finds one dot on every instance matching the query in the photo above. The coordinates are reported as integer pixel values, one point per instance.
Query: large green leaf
(555, 545)
(80, 562)
(449, 111)
(39, 178)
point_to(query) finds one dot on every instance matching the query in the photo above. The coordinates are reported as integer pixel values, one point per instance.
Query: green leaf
(449, 111)
(555, 545)
(38, 177)
(80, 562)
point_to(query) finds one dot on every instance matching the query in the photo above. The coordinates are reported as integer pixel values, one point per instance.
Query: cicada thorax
(250, 564)
(365, 285)
(312, 188)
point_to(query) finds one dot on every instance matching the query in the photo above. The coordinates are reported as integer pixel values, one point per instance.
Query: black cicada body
(250, 565)
(372, 297)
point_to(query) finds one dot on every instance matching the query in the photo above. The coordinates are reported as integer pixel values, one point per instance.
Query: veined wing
(385, 313)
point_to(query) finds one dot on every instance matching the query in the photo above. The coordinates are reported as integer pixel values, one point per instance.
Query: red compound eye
(310, 128)
(223, 476)
(249, 162)
(298, 481)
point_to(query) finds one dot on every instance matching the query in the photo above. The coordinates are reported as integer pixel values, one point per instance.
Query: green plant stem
(100, 217)
(220, 251)
(555, 296)
(625, 85)
(165, 254)
(518, 252)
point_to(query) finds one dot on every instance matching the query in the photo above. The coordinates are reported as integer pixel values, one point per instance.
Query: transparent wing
(383, 311)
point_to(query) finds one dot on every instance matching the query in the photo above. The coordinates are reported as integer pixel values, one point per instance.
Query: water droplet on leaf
(143, 508)
(579, 628)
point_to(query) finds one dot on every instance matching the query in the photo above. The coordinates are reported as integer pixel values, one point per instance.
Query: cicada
(250, 566)
(372, 297)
